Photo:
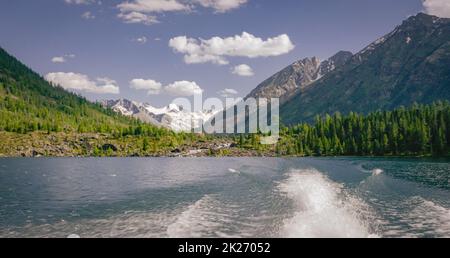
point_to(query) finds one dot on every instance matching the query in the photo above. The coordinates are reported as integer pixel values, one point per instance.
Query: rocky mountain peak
(410, 64)
(298, 76)
(421, 18)
(172, 116)
(329, 65)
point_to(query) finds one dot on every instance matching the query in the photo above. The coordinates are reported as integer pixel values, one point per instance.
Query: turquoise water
(226, 197)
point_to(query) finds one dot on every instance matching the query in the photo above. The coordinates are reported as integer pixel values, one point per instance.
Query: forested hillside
(410, 64)
(29, 103)
(418, 130)
(39, 119)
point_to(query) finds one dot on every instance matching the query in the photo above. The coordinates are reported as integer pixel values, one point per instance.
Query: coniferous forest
(417, 130)
(30, 104)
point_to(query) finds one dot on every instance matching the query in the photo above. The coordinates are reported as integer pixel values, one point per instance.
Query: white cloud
(141, 40)
(58, 59)
(439, 8)
(183, 89)
(80, 1)
(243, 70)
(88, 16)
(178, 88)
(221, 6)
(152, 6)
(81, 82)
(145, 10)
(62, 59)
(141, 11)
(137, 17)
(152, 87)
(216, 49)
(226, 93)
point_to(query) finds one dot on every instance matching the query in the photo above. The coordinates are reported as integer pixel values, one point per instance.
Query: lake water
(226, 197)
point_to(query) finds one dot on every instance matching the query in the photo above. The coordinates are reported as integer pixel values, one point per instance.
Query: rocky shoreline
(40, 144)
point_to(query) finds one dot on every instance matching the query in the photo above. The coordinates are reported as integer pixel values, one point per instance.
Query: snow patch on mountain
(173, 117)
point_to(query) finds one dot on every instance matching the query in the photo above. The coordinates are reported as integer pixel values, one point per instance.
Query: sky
(156, 50)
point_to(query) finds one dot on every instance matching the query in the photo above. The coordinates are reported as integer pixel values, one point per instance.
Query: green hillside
(29, 103)
(410, 64)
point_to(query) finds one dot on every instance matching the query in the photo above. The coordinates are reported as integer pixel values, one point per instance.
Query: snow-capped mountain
(171, 116)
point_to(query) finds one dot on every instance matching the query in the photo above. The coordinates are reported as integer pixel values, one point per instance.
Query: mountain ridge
(297, 76)
(30, 103)
(410, 64)
(171, 117)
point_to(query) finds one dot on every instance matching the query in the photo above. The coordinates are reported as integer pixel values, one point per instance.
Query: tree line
(417, 130)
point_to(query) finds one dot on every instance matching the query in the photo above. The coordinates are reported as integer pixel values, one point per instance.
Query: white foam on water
(424, 218)
(234, 171)
(431, 217)
(361, 168)
(322, 208)
(130, 224)
(209, 217)
(377, 172)
(195, 219)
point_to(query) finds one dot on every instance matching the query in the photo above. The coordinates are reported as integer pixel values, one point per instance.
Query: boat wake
(209, 217)
(323, 208)
(377, 172)
(418, 217)
(374, 172)
(303, 203)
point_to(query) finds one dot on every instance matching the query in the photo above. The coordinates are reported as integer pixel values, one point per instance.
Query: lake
(224, 197)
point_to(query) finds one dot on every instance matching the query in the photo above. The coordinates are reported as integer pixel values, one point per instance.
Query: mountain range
(172, 116)
(410, 64)
(298, 76)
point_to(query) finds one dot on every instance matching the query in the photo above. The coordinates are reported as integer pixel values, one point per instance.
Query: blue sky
(114, 49)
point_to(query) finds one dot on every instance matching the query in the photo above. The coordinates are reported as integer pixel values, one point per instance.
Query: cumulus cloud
(226, 93)
(79, 2)
(141, 11)
(58, 59)
(183, 89)
(439, 8)
(88, 16)
(243, 70)
(137, 17)
(178, 88)
(62, 59)
(152, 6)
(221, 6)
(216, 49)
(148, 8)
(152, 87)
(81, 82)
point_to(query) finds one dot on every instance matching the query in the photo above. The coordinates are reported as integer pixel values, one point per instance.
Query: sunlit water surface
(226, 197)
